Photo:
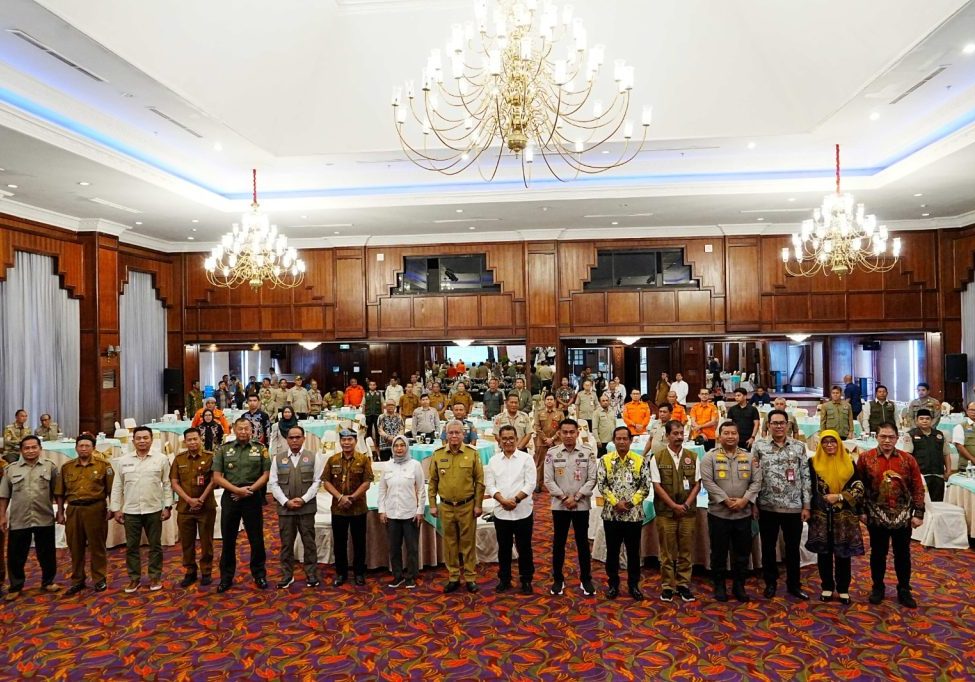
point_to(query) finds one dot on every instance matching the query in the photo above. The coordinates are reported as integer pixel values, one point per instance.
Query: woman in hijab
(834, 528)
(211, 430)
(402, 501)
(288, 420)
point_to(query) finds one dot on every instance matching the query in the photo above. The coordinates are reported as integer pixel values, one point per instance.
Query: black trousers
(372, 428)
(623, 533)
(838, 581)
(251, 510)
(579, 521)
(936, 486)
(769, 525)
(733, 534)
(521, 532)
(880, 539)
(341, 526)
(398, 533)
(18, 548)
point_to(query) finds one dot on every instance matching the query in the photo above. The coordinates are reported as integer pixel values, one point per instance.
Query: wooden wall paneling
(396, 313)
(463, 312)
(589, 309)
(542, 275)
(623, 308)
(744, 294)
(691, 352)
(350, 293)
(658, 307)
(429, 312)
(498, 312)
(934, 353)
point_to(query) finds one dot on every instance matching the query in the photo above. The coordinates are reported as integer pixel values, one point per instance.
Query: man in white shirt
(681, 388)
(142, 498)
(963, 436)
(510, 479)
(293, 482)
(394, 391)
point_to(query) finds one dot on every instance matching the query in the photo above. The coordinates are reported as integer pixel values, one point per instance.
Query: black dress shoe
(876, 595)
(526, 588)
(636, 594)
(471, 586)
(100, 586)
(613, 593)
(503, 586)
(261, 583)
(188, 580)
(721, 591)
(452, 586)
(906, 599)
(738, 589)
(223, 587)
(360, 580)
(339, 581)
(74, 589)
(769, 591)
(798, 593)
(206, 580)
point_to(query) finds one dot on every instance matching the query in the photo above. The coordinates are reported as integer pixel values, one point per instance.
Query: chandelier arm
(407, 147)
(566, 159)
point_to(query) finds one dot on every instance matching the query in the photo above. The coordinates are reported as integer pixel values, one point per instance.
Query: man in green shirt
(194, 400)
(242, 469)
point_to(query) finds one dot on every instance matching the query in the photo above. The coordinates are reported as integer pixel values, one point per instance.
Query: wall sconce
(112, 351)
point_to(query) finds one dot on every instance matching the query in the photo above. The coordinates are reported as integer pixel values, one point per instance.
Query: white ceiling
(301, 90)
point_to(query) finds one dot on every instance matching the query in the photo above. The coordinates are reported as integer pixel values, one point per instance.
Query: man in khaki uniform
(408, 403)
(280, 397)
(347, 477)
(460, 395)
(438, 400)
(837, 415)
(518, 420)
(298, 395)
(48, 430)
(457, 477)
(85, 485)
(316, 401)
(191, 477)
(13, 434)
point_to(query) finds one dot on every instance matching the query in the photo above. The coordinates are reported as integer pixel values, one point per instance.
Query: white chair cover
(944, 527)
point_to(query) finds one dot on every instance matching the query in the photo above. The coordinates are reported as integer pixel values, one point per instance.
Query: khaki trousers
(459, 535)
(189, 525)
(86, 527)
(676, 544)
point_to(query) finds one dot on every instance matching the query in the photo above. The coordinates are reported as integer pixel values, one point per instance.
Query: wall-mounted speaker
(172, 381)
(956, 368)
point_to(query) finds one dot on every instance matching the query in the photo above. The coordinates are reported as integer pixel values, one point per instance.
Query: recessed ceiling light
(969, 49)
(304, 217)
(874, 115)
(2, 170)
(337, 232)
(138, 222)
(605, 151)
(191, 238)
(12, 186)
(614, 223)
(459, 210)
(84, 184)
(471, 228)
(760, 219)
(924, 205)
(217, 147)
(194, 229)
(544, 208)
(919, 194)
(925, 215)
(127, 94)
(752, 145)
(792, 198)
(194, 220)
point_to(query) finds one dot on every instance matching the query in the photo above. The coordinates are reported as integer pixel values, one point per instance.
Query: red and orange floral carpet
(375, 633)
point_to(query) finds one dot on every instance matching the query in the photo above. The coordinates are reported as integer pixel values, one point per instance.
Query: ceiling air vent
(917, 85)
(174, 121)
(31, 40)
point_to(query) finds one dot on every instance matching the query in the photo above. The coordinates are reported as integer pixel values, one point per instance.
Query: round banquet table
(61, 451)
(961, 492)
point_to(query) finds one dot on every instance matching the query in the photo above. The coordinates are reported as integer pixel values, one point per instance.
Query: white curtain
(968, 335)
(142, 334)
(40, 344)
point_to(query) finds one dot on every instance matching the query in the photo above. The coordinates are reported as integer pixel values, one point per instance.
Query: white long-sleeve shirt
(510, 476)
(141, 484)
(402, 490)
(275, 487)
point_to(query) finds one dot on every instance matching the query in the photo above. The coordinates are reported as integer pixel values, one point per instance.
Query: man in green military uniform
(13, 434)
(194, 400)
(48, 430)
(836, 415)
(85, 485)
(191, 477)
(346, 477)
(930, 448)
(963, 436)
(372, 407)
(242, 469)
(457, 478)
(524, 395)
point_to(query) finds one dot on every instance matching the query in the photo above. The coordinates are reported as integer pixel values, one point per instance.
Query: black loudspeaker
(172, 381)
(956, 368)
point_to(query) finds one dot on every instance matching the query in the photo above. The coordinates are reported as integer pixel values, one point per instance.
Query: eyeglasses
(887, 437)
(294, 437)
(777, 423)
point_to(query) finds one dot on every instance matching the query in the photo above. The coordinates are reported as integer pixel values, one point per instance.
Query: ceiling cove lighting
(629, 340)
(520, 78)
(463, 343)
(798, 338)
(254, 252)
(840, 238)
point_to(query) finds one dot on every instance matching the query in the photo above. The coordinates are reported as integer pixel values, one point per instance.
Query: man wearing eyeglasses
(783, 502)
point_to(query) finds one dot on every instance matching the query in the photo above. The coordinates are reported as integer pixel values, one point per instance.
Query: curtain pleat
(142, 332)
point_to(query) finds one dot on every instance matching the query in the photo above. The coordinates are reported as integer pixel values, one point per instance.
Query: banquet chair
(129, 423)
(800, 412)
(329, 439)
(408, 424)
(944, 526)
(791, 404)
(945, 409)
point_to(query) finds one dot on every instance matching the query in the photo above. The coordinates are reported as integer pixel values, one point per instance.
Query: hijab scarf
(835, 470)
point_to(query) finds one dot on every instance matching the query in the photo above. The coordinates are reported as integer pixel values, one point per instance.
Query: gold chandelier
(840, 238)
(523, 83)
(254, 252)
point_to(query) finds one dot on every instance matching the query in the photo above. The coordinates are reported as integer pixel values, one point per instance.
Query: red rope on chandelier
(837, 171)
(254, 182)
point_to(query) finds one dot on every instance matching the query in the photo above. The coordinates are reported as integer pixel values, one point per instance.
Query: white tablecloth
(961, 492)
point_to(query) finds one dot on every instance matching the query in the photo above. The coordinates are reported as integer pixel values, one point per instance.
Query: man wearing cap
(346, 477)
(85, 485)
(294, 480)
(191, 477)
(836, 415)
(242, 468)
(457, 478)
(932, 452)
(27, 490)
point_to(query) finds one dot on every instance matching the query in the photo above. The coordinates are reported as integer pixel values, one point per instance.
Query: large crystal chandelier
(840, 238)
(254, 252)
(520, 77)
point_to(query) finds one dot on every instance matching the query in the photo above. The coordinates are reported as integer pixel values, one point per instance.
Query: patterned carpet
(377, 633)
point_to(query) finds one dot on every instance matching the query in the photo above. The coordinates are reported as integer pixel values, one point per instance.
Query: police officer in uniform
(191, 477)
(930, 448)
(733, 485)
(457, 477)
(242, 469)
(85, 485)
(347, 477)
(13, 434)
